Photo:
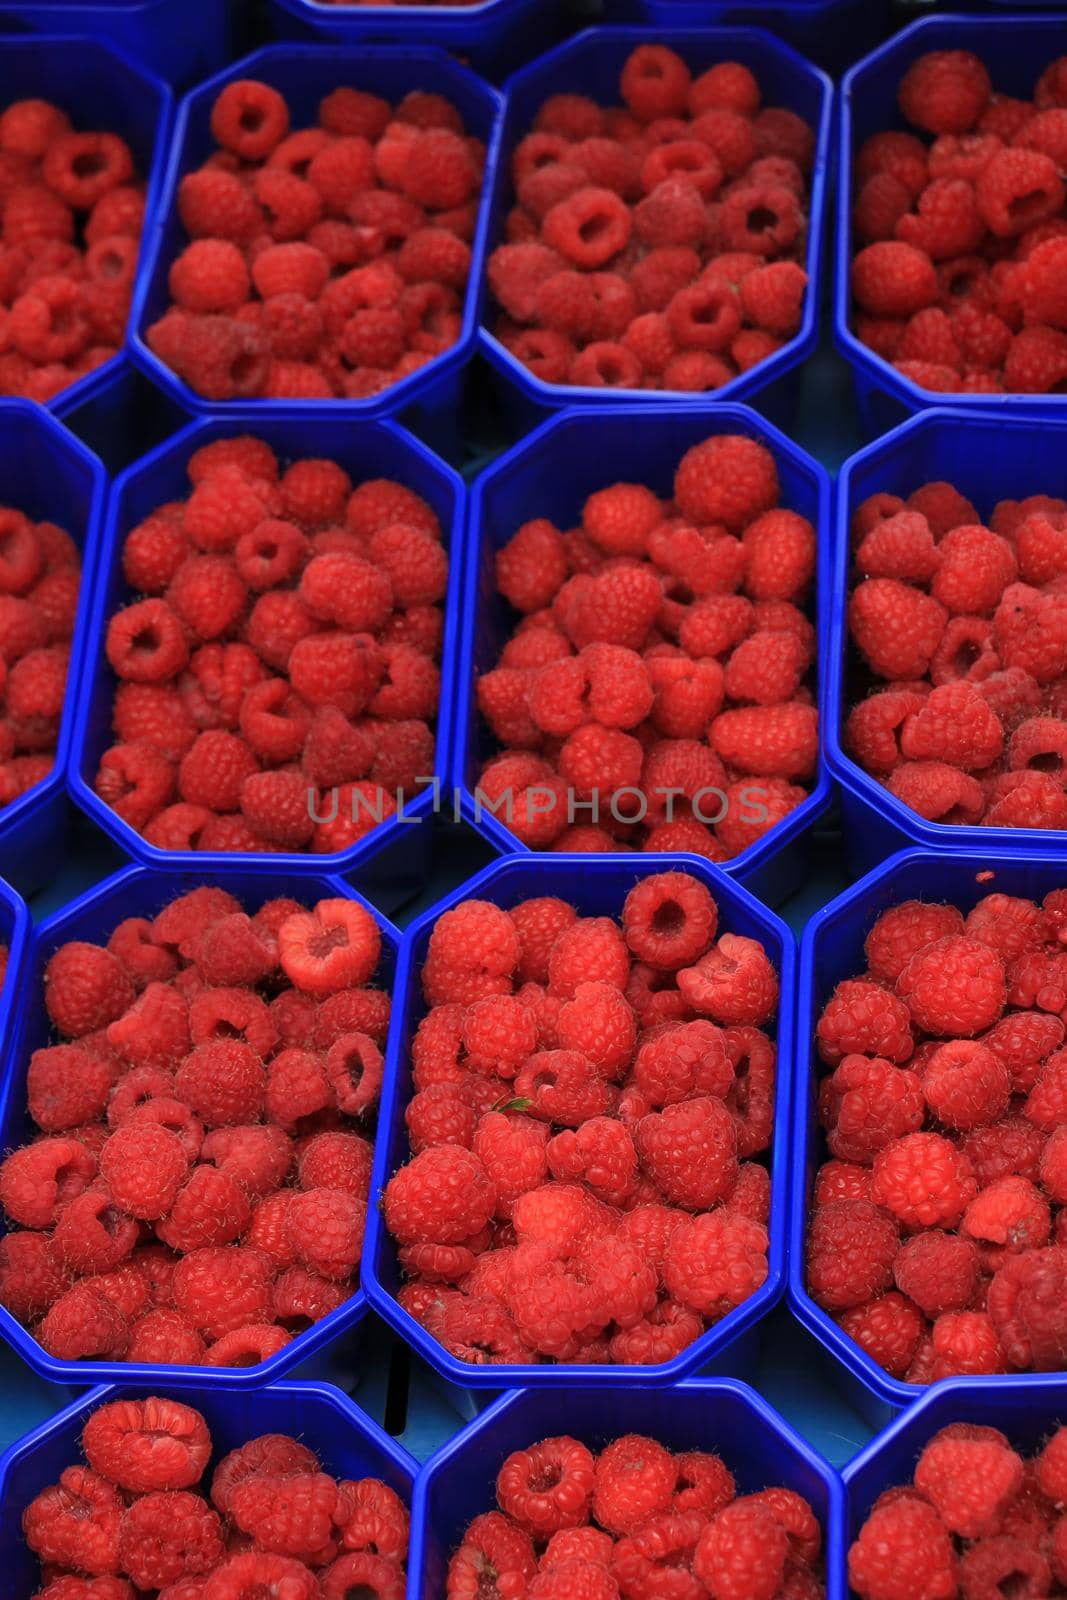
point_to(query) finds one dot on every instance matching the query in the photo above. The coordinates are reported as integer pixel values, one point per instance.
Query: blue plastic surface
(395, 853)
(590, 64)
(1016, 49)
(1027, 1412)
(987, 459)
(347, 1442)
(550, 474)
(832, 33)
(47, 474)
(304, 74)
(100, 88)
(133, 892)
(124, 418)
(495, 36)
(15, 926)
(831, 950)
(760, 1449)
(597, 885)
(181, 40)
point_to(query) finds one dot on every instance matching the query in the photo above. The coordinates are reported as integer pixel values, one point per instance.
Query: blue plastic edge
(525, 90)
(754, 867)
(576, 878)
(482, 108)
(105, 905)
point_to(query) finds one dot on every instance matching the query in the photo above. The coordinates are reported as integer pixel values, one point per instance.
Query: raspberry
(221, 1289)
(893, 279)
(728, 479)
(75, 1523)
(953, 987)
(945, 91)
(965, 1085)
(902, 931)
(923, 1180)
(83, 1323)
(970, 1482)
(851, 1249)
(168, 1535)
(85, 989)
(733, 983)
(741, 1552)
(326, 1229)
(715, 1262)
(903, 1549)
(938, 1271)
(442, 1196)
(143, 1166)
(634, 1480)
(888, 1329)
(871, 1102)
(565, 1468)
(66, 1086)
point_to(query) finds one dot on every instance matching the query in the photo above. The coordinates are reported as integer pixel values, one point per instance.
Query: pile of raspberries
(198, 1186)
(40, 578)
(979, 1519)
(967, 624)
(960, 280)
(633, 1521)
(656, 691)
(657, 244)
(325, 263)
(938, 1237)
(139, 1517)
(71, 213)
(279, 683)
(590, 1100)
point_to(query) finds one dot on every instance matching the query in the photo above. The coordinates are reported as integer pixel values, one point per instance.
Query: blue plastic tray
(762, 1451)
(1016, 49)
(832, 33)
(396, 853)
(1026, 1414)
(142, 891)
(179, 39)
(348, 1443)
(590, 64)
(47, 474)
(124, 418)
(99, 87)
(832, 949)
(15, 928)
(495, 36)
(597, 885)
(304, 74)
(988, 458)
(550, 474)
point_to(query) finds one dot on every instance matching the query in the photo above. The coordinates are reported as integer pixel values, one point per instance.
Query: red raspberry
(954, 986)
(863, 1017)
(851, 1249)
(938, 1271)
(634, 1480)
(222, 1289)
(83, 1323)
(945, 91)
(244, 1575)
(548, 1487)
(66, 1086)
(1017, 189)
(143, 1165)
(326, 1230)
(889, 1329)
(893, 279)
(734, 983)
(75, 1523)
(869, 1102)
(969, 1481)
(716, 1262)
(223, 1083)
(286, 1515)
(169, 1535)
(905, 929)
(38, 1181)
(496, 1544)
(966, 1085)
(669, 920)
(165, 1337)
(1009, 1215)
(903, 1548)
(727, 479)
(742, 1553)
(85, 988)
(443, 1196)
(31, 1277)
(923, 1180)
(773, 741)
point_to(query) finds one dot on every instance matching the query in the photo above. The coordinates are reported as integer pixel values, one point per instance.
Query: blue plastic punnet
(550, 474)
(597, 885)
(987, 458)
(1016, 49)
(397, 851)
(48, 475)
(832, 33)
(720, 1415)
(832, 950)
(143, 892)
(181, 40)
(101, 89)
(1027, 1413)
(304, 74)
(495, 36)
(348, 1443)
(15, 928)
(590, 64)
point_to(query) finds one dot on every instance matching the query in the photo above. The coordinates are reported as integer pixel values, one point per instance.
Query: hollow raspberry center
(668, 918)
(87, 164)
(761, 219)
(320, 945)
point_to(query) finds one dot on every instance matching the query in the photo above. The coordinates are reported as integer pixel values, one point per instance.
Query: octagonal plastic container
(101, 89)
(590, 64)
(596, 885)
(729, 1418)
(348, 1443)
(47, 474)
(304, 74)
(1016, 48)
(495, 36)
(832, 950)
(396, 853)
(177, 39)
(550, 474)
(988, 458)
(143, 892)
(15, 928)
(1026, 1414)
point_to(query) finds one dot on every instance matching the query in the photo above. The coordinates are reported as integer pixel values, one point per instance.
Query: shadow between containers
(988, 458)
(304, 74)
(393, 859)
(1016, 47)
(144, 891)
(550, 473)
(831, 949)
(349, 1443)
(589, 64)
(48, 475)
(597, 885)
